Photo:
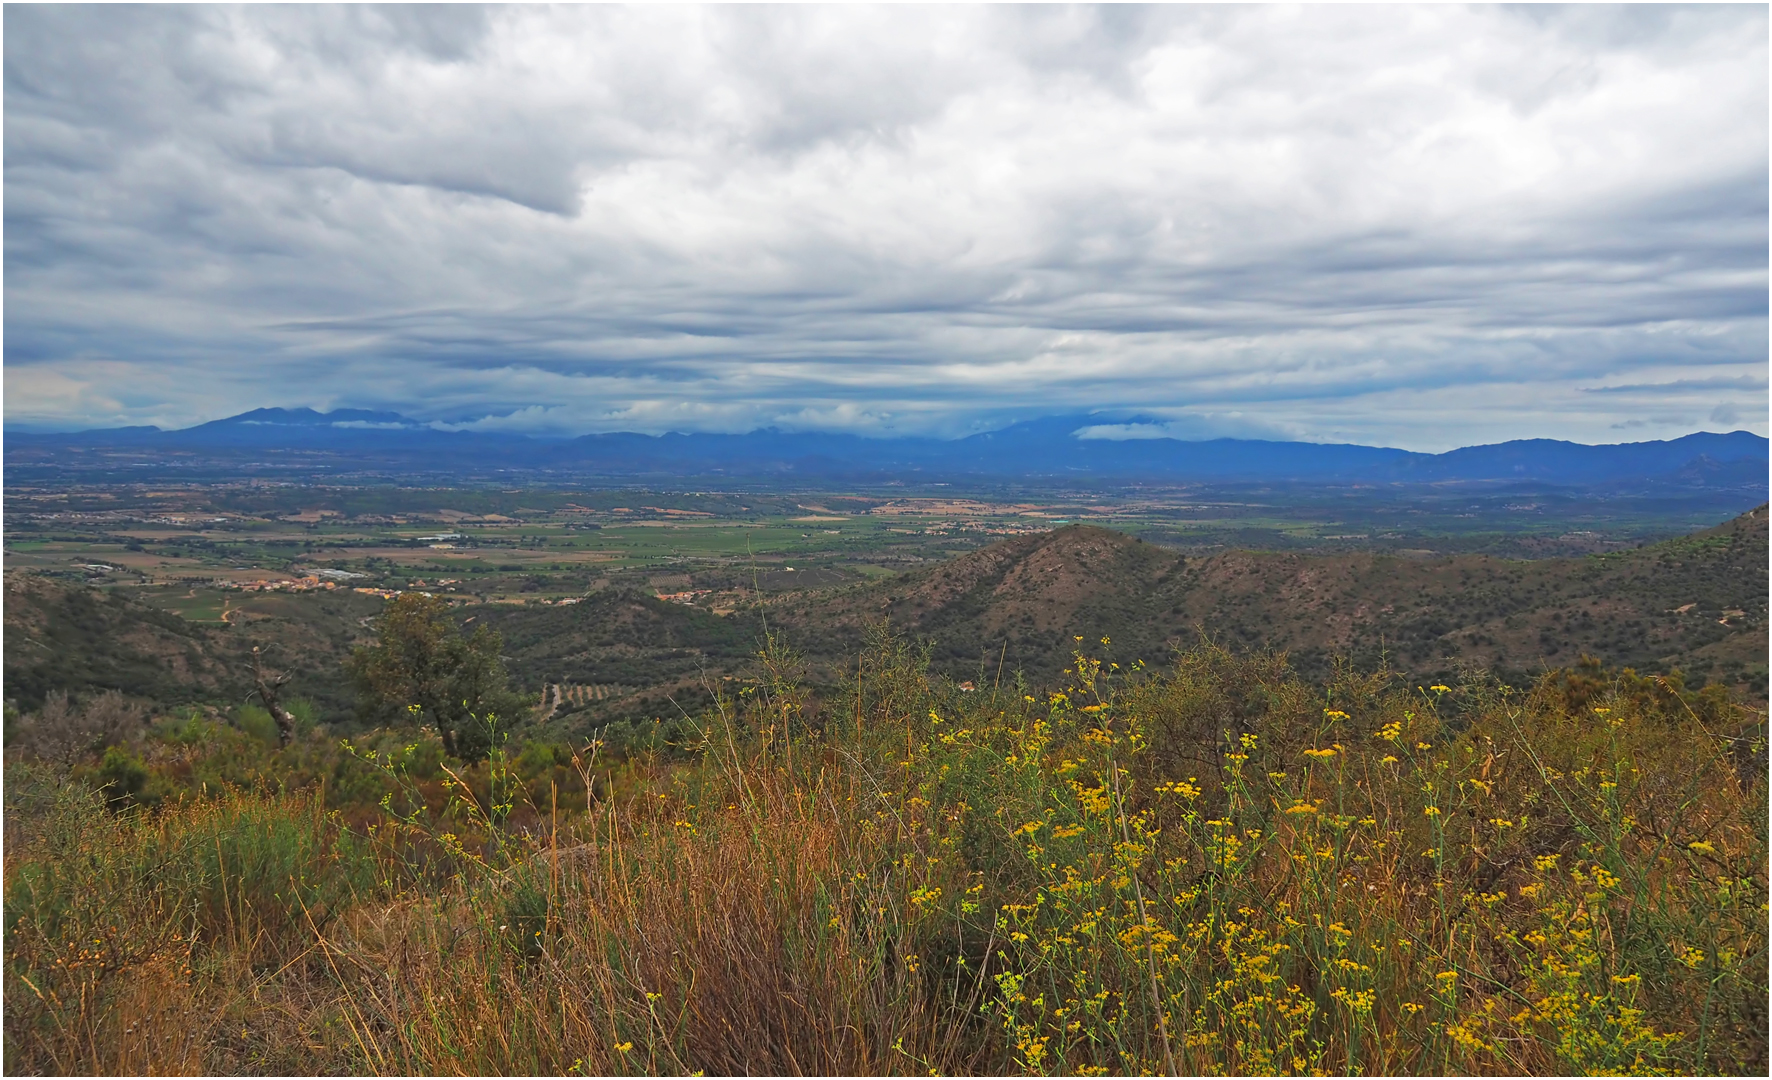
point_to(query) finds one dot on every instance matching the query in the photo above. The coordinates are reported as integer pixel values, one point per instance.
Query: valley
(634, 604)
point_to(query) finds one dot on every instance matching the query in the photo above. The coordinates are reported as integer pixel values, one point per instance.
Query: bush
(121, 777)
(108, 915)
(257, 723)
(65, 733)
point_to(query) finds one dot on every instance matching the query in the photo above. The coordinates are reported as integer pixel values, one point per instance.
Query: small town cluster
(327, 580)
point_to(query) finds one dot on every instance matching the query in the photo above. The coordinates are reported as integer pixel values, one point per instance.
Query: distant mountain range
(1053, 448)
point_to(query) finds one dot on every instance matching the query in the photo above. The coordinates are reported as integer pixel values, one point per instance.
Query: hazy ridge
(1045, 449)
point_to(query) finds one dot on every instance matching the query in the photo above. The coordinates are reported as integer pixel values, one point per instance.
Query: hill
(1697, 604)
(70, 636)
(619, 653)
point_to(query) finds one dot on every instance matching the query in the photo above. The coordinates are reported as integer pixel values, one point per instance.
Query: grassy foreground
(1211, 869)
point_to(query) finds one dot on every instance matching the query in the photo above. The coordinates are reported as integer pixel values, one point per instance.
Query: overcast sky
(1417, 227)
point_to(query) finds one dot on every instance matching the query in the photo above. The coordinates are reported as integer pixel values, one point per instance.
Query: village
(328, 580)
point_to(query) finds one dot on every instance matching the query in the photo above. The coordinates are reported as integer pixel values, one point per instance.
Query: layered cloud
(1424, 227)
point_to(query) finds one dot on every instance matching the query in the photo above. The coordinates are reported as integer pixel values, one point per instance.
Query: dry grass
(1219, 870)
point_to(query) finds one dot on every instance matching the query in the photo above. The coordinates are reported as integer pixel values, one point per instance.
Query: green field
(525, 545)
(205, 605)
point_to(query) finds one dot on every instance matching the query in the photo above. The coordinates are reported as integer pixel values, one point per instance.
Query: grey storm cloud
(1417, 226)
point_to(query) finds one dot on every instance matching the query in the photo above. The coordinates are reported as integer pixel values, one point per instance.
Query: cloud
(1684, 386)
(1234, 424)
(1418, 226)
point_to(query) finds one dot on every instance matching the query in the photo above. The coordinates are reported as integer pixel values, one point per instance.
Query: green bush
(524, 917)
(121, 776)
(257, 723)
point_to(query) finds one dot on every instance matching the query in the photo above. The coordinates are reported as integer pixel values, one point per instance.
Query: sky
(1422, 227)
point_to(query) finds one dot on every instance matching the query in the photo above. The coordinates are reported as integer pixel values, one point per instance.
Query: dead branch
(266, 689)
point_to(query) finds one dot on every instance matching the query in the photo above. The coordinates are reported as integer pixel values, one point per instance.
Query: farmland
(529, 545)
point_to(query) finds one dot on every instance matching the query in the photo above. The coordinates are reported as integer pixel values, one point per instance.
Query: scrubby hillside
(1216, 869)
(73, 637)
(1034, 594)
(1698, 604)
(619, 652)
(1210, 865)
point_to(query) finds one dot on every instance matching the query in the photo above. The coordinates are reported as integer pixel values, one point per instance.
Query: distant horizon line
(1102, 419)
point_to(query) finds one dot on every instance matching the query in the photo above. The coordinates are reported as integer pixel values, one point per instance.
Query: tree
(266, 687)
(421, 669)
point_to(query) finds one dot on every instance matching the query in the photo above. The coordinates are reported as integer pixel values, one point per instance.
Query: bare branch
(266, 689)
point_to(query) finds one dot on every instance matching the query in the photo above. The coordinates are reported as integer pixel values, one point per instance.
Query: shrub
(108, 914)
(121, 777)
(257, 723)
(66, 733)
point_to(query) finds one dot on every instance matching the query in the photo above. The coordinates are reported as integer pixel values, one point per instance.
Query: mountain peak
(310, 418)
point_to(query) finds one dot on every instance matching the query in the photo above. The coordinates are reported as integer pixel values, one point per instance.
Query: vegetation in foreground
(1217, 868)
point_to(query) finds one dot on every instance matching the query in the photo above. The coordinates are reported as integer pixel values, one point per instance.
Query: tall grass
(133, 942)
(1211, 869)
